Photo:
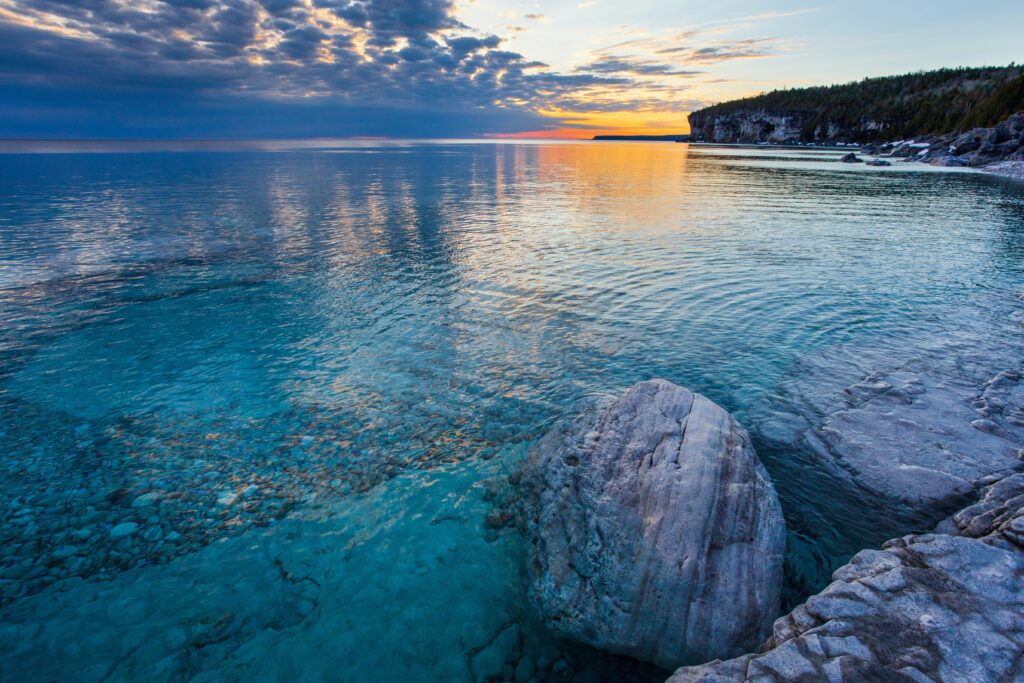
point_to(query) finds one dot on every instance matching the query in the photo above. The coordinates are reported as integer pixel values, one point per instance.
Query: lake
(259, 402)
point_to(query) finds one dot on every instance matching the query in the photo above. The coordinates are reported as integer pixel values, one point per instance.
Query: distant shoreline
(679, 137)
(839, 147)
(740, 145)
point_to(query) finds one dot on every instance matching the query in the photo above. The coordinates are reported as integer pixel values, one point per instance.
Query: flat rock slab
(656, 530)
(922, 439)
(932, 607)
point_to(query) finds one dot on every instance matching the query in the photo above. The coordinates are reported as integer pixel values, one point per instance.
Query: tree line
(911, 105)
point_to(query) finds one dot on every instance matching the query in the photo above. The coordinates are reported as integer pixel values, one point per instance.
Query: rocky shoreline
(941, 606)
(945, 606)
(999, 149)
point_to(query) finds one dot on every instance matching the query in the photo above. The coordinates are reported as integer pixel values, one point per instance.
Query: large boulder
(656, 530)
(932, 607)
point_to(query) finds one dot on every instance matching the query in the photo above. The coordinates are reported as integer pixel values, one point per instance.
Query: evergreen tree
(911, 105)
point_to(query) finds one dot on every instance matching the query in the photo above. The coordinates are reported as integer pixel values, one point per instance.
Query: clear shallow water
(221, 344)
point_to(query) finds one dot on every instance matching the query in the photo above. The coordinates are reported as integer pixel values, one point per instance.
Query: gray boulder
(933, 607)
(984, 146)
(656, 530)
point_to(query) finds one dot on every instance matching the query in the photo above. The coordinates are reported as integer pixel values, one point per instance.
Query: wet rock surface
(998, 149)
(930, 607)
(656, 531)
(918, 423)
(1007, 169)
(923, 438)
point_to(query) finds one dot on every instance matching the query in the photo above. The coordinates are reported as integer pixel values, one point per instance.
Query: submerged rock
(123, 529)
(656, 530)
(923, 439)
(931, 607)
(877, 162)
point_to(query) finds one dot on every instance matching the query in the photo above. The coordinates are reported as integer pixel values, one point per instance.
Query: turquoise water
(340, 349)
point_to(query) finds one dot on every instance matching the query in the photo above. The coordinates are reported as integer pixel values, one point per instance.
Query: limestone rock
(933, 607)
(656, 530)
(1007, 169)
(919, 438)
(998, 519)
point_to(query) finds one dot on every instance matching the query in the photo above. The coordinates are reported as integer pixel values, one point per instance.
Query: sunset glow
(588, 124)
(441, 68)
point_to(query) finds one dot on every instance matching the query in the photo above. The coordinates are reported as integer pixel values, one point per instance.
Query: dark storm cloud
(347, 55)
(30, 56)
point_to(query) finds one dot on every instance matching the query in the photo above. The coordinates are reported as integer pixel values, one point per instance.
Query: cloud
(663, 69)
(613, 104)
(47, 113)
(394, 52)
(768, 16)
(609, 64)
(105, 63)
(724, 50)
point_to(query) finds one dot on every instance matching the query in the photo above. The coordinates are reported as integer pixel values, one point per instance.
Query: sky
(229, 69)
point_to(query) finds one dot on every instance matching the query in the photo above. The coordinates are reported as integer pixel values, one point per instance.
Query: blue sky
(438, 68)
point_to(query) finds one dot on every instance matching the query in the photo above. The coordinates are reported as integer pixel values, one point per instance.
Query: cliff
(874, 109)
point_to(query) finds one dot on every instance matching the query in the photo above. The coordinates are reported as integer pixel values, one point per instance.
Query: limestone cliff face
(871, 110)
(751, 126)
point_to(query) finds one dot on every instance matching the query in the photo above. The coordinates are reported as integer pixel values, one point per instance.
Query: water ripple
(303, 322)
